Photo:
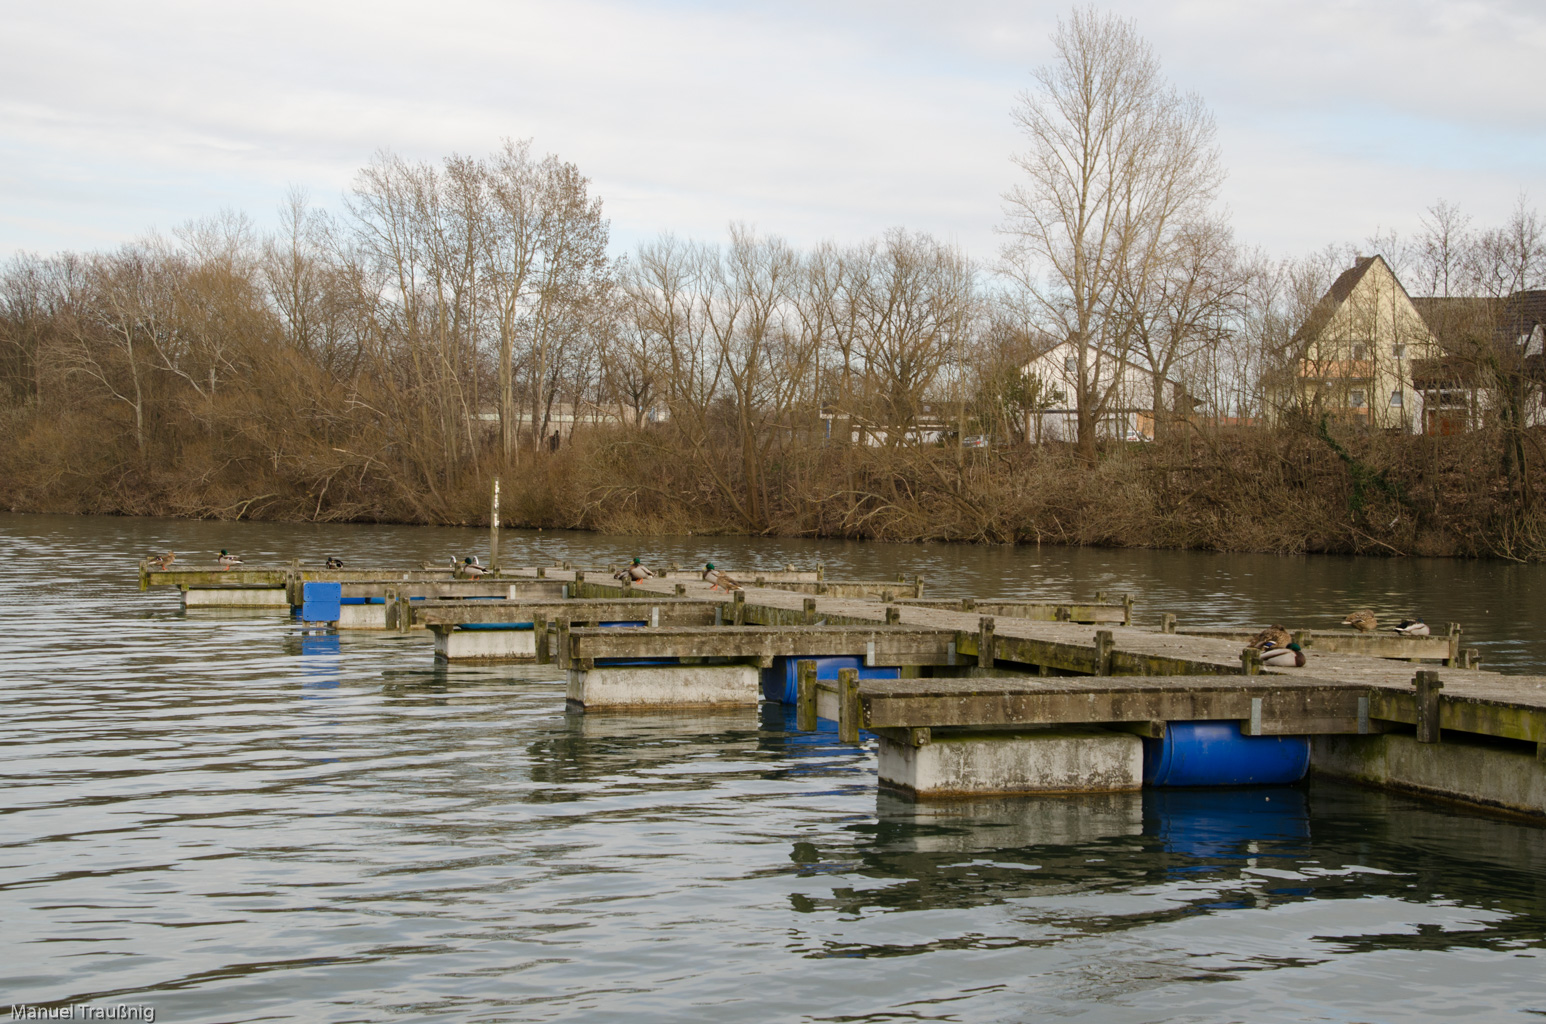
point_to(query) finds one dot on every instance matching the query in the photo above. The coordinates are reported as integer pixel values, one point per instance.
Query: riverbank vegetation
(463, 321)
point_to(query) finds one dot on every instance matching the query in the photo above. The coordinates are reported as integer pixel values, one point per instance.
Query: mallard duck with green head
(1290, 655)
(472, 568)
(634, 572)
(227, 559)
(1414, 626)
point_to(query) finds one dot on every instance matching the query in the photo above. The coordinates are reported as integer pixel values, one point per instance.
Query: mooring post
(579, 577)
(893, 615)
(544, 652)
(805, 696)
(1104, 644)
(848, 705)
(1100, 597)
(738, 607)
(493, 531)
(810, 611)
(542, 573)
(968, 604)
(1127, 609)
(681, 590)
(918, 587)
(563, 642)
(1168, 622)
(1453, 661)
(144, 574)
(820, 572)
(887, 596)
(760, 581)
(1302, 637)
(985, 627)
(1428, 687)
(1250, 661)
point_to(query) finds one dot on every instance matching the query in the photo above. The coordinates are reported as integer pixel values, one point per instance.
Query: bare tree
(1116, 157)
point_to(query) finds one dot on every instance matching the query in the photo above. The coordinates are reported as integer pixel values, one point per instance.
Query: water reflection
(229, 820)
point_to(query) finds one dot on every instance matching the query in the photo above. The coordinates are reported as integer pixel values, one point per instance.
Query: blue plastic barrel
(1216, 754)
(781, 682)
(320, 601)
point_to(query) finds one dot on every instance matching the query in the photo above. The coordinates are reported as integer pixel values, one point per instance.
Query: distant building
(1353, 357)
(1128, 387)
(1492, 358)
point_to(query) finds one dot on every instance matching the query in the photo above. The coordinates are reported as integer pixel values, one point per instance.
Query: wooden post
(738, 607)
(544, 652)
(1168, 622)
(893, 615)
(985, 627)
(542, 573)
(144, 574)
(493, 531)
(820, 572)
(1103, 647)
(1250, 661)
(887, 596)
(918, 587)
(563, 642)
(579, 576)
(1302, 637)
(848, 705)
(805, 696)
(968, 604)
(1428, 687)
(1127, 609)
(681, 590)
(1453, 661)
(810, 611)
(1100, 597)
(760, 581)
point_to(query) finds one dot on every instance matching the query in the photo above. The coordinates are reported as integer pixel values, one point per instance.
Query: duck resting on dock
(1415, 626)
(1290, 655)
(635, 572)
(1363, 621)
(472, 569)
(719, 578)
(334, 562)
(1272, 636)
(163, 561)
(227, 560)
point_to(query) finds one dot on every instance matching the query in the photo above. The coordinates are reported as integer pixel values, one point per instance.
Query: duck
(227, 559)
(1272, 636)
(163, 561)
(472, 568)
(719, 578)
(1363, 621)
(1415, 626)
(1290, 655)
(334, 562)
(634, 572)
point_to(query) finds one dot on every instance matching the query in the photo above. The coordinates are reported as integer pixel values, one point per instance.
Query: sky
(833, 120)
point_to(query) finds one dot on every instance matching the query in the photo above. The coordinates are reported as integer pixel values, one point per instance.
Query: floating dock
(982, 697)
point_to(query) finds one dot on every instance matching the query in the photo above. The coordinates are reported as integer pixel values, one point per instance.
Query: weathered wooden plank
(1034, 611)
(879, 645)
(664, 611)
(1374, 645)
(1041, 701)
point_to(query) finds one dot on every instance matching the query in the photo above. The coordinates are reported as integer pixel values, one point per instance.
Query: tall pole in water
(493, 530)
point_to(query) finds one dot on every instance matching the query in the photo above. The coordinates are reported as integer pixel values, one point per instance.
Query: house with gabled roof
(1492, 361)
(1351, 360)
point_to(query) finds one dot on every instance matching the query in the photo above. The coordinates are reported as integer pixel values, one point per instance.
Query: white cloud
(812, 120)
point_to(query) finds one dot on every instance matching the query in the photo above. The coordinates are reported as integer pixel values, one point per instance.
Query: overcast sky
(810, 120)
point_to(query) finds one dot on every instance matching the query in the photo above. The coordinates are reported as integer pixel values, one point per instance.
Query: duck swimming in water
(1414, 626)
(1363, 621)
(719, 578)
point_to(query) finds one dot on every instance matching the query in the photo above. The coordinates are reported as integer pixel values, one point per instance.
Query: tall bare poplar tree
(1116, 159)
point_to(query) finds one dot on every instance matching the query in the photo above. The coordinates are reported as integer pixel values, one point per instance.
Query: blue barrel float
(1216, 754)
(781, 682)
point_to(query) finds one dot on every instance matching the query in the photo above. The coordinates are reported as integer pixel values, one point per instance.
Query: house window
(1398, 350)
(1360, 353)
(1395, 399)
(1071, 364)
(1357, 399)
